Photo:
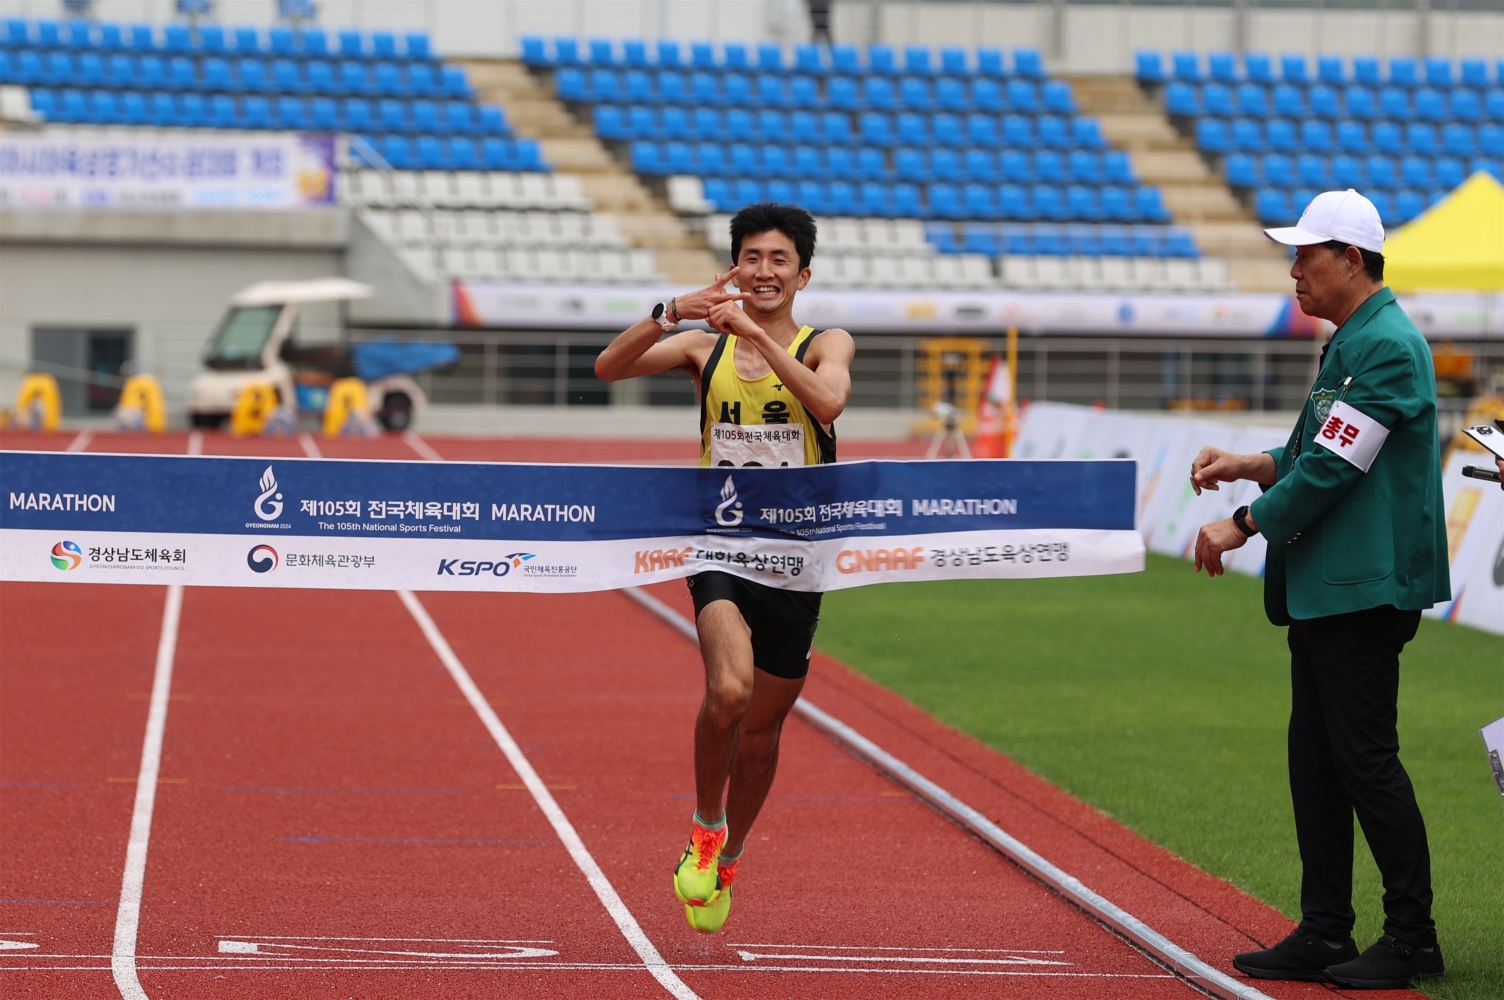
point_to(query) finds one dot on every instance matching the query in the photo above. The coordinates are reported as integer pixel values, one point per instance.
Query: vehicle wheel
(212, 421)
(396, 412)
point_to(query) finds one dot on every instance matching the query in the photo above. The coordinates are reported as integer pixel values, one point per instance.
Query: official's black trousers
(1344, 759)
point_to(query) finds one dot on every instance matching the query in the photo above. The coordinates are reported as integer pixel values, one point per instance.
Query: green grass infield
(1188, 684)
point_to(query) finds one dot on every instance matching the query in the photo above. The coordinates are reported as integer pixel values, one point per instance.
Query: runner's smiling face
(770, 272)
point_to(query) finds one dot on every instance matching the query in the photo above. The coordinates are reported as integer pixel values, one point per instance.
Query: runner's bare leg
(757, 753)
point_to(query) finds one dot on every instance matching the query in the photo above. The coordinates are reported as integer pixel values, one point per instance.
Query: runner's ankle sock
(719, 824)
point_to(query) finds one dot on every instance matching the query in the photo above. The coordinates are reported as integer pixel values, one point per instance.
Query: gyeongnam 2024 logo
(273, 510)
(67, 555)
(262, 559)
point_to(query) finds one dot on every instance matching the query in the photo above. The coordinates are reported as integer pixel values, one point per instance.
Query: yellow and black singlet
(758, 421)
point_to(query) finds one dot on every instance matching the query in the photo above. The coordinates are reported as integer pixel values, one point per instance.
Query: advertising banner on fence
(555, 528)
(59, 168)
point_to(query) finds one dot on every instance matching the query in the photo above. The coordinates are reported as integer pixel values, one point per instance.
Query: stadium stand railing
(1405, 132)
(984, 155)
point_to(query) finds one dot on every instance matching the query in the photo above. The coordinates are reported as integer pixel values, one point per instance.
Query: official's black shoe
(1389, 965)
(1302, 955)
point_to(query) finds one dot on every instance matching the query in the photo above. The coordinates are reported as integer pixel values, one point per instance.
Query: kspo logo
(473, 567)
(879, 560)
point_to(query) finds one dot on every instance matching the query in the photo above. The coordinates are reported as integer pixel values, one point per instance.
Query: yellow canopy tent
(1459, 243)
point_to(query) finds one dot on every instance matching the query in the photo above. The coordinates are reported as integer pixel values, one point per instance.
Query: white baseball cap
(1345, 216)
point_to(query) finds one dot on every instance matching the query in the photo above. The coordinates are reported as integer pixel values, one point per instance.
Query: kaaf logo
(268, 511)
(651, 560)
(723, 515)
(473, 567)
(262, 558)
(879, 560)
(67, 555)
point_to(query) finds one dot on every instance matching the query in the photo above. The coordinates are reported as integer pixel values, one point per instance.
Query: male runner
(758, 368)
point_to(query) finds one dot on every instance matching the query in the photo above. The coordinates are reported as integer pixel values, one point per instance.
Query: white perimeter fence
(1169, 512)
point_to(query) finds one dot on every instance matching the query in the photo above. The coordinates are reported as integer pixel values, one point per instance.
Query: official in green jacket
(1352, 512)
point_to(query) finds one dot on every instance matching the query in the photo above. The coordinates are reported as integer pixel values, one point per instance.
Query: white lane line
(81, 442)
(243, 966)
(1180, 961)
(195, 442)
(309, 445)
(603, 889)
(128, 916)
(422, 447)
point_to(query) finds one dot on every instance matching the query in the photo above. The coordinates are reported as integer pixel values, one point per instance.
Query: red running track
(335, 819)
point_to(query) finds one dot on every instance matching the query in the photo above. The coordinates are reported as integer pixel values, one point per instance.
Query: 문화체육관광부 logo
(262, 559)
(67, 555)
(268, 511)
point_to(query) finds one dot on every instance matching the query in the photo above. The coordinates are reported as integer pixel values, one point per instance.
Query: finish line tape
(363, 525)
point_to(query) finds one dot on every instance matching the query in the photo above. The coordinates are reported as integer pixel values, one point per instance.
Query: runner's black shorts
(783, 622)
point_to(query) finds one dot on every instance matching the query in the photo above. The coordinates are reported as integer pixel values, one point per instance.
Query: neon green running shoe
(709, 919)
(696, 881)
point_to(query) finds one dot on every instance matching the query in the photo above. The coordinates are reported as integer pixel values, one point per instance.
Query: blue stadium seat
(675, 122)
(1212, 135)
(914, 94)
(1247, 135)
(841, 199)
(102, 108)
(906, 202)
(1421, 139)
(844, 60)
(1087, 133)
(981, 130)
(1313, 170)
(979, 202)
(1381, 172)
(875, 129)
(743, 159)
(1431, 105)
(769, 89)
(770, 56)
(1280, 135)
(1292, 68)
(772, 125)
(1013, 202)
(807, 163)
(1018, 130)
(160, 110)
(953, 61)
(1491, 140)
(1242, 171)
(951, 94)
(807, 59)
(1352, 137)
(1450, 172)
(460, 153)
(1222, 67)
(1148, 66)
(602, 52)
(255, 112)
(17, 33)
(1366, 71)
(1016, 166)
(737, 88)
(352, 78)
(457, 82)
(841, 92)
(1084, 167)
(987, 95)
(1289, 100)
(638, 89)
(1324, 103)
(1403, 71)
(1494, 103)
(874, 199)
(803, 127)
(811, 195)
(1359, 102)
(1329, 70)
(703, 88)
(990, 63)
(323, 114)
(944, 203)
(1253, 100)
(391, 116)
(1216, 99)
(803, 92)
(877, 92)
(670, 56)
(1081, 204)
(190, 111)
(945, 130)
(1117, 168)
(1057, 97)
(1272, 205)
(180, 74)
(839, 163)
(1387, 138)
(1348, 172)
(871, 164)
(1438, 72)
(175, 38)
(222, 112)
(836, 128)
(422, 79)
(425, 116)
(1457, 140)
(566, 51)
(1028, 63)
(945, 165)
(1316, 136)
(320, 73)
(1407, 205)
(1277, 170)
(634, 53)
(1415, 172)
(880, 59)
(1049, 203)
(1464, 105)
(605, 85)
(977, 238)
(1053, 132)
(1257, 67)
(981, 166)
(1022, 96)
(916, 60)
(216, 74)
(1049, 167)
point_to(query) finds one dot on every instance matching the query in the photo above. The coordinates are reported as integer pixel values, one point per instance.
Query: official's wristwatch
(1240, 518)
(662, 317)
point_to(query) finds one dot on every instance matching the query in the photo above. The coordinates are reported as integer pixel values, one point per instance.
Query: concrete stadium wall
(170, 294)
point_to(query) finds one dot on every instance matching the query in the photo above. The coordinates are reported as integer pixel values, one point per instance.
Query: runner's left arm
(823, 385)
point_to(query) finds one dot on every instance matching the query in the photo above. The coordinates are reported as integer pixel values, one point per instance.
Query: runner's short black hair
(790, 220)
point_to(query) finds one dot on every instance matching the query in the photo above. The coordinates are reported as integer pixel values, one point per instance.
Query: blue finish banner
(420, 525)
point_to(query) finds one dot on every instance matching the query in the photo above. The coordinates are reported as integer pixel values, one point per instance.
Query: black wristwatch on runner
(1240, 518)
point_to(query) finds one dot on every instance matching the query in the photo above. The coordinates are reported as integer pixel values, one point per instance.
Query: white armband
(1353, 434)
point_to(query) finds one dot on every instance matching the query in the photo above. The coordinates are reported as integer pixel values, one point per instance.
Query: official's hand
(1215, 466)
(728, 317)
(1215, 539)
(1500, 463)
(697, 305)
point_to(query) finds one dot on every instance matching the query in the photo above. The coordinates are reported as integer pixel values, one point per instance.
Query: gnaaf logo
(480, 567)
(272, 510)
(67, 555)
(262, 558)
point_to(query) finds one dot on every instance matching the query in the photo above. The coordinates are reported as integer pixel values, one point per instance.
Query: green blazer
(1341, 539)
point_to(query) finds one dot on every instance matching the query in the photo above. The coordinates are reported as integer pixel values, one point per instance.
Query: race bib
(1353, 434)
(757, 445)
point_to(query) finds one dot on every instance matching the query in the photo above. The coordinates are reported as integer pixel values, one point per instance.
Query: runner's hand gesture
(697, 305)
